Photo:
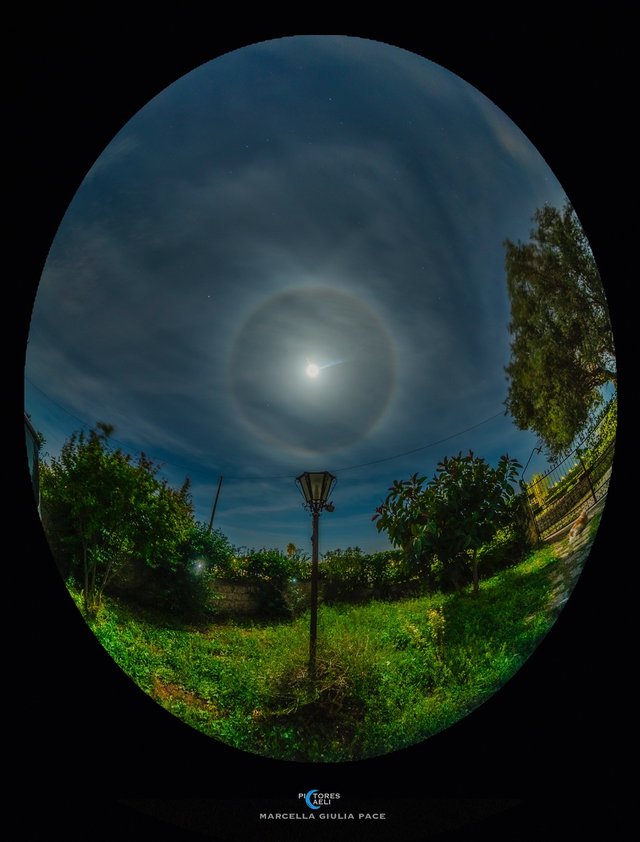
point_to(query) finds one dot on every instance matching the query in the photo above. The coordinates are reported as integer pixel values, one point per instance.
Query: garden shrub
(274, 573)
(184, 585)
(347, 573)
(188, 587)
(507, 548)
(343, 573)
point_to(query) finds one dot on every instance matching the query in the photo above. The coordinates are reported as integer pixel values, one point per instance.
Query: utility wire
(424, 446)
(207, 471)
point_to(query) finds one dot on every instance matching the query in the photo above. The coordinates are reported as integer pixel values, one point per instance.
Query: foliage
(539, 488)
(509, 545)
(602, 435)
(594, 456)
(185, 583)
(346, 572)
(389, 674)
(209, 545)
(562, 352)
(436, 625)
(343, 571)
(442, 524)
(101, 509)
(274, 572)
(403, 512)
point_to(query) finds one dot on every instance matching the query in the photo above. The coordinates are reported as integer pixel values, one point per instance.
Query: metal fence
(577, 482)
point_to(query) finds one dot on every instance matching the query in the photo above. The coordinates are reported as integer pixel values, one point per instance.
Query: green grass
(388, 674)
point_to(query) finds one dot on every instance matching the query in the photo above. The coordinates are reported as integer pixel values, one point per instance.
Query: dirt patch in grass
(167, 692)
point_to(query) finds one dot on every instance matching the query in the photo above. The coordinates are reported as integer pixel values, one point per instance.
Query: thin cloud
(202, 261)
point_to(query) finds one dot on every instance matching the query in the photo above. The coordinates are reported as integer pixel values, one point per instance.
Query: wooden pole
(215, 504)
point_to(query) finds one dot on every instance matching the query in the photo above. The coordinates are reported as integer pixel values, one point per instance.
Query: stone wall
(236, 597)
(243, 597)
(233, 597)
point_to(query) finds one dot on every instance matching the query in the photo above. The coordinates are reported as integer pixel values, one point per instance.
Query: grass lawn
(390, 674)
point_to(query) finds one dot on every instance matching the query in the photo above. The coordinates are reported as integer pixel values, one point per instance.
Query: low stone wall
(236, 597)
(246, 598)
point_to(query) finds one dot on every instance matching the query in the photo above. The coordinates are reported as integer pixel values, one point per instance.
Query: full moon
(309, 333)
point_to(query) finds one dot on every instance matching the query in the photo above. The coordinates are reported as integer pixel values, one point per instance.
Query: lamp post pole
(313, 630)
(316, 487)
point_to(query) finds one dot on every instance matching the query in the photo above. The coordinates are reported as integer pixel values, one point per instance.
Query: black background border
(91, 744)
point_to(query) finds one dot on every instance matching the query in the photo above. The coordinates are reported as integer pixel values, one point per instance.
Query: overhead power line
(423, 447)
(254, 478)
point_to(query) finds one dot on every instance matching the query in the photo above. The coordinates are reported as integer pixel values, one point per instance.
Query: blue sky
(310, 199)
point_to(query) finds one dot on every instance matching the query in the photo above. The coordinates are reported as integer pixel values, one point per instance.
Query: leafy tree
(183, 582)
(562, 352)
(603, 433)
(451, 516)
(101, 509)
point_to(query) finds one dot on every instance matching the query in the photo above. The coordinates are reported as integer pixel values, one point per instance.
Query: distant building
(33, 450)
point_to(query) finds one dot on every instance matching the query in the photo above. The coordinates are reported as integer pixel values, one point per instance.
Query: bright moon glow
(312, 370)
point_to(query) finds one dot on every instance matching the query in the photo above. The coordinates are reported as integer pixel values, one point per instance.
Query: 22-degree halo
(312, 370)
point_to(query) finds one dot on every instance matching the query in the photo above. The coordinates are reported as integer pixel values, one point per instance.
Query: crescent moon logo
(307, 798)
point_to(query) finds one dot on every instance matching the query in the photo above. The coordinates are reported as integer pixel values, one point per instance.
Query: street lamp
(316, 486)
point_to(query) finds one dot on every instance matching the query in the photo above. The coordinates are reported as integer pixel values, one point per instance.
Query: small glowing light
(312, 370)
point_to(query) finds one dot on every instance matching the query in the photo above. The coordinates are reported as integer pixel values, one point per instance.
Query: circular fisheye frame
(320, 264)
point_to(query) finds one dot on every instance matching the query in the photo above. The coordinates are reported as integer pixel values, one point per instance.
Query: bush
(507, 548)
(343, 573)
(186, 586)
(275, 573)
(182, 585)
(103, 511)
(346, 573)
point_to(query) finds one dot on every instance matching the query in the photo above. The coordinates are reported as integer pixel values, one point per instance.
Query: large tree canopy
(562, 352)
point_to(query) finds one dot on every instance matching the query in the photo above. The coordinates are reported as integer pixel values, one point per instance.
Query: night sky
(323, 200)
